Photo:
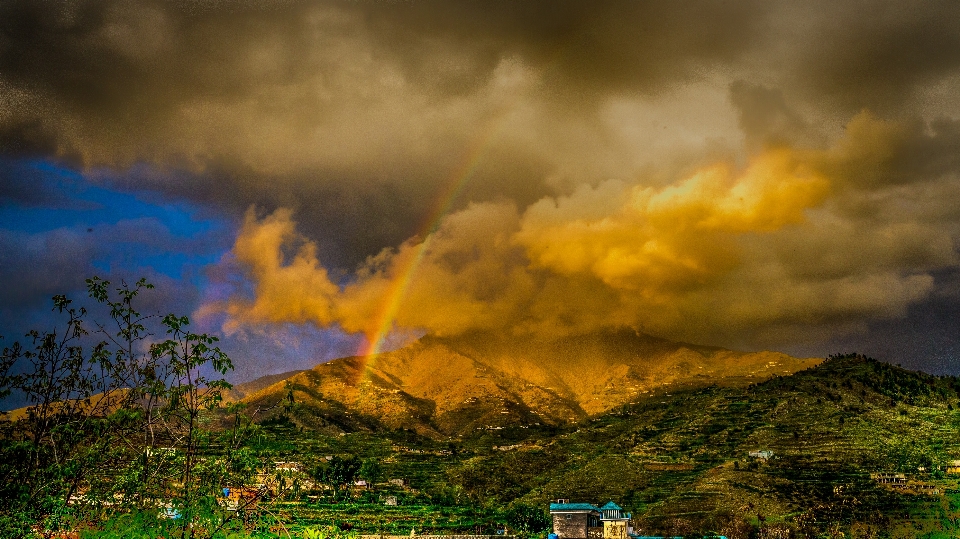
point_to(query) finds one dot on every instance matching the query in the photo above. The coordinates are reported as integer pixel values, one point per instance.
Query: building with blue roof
(587, 521)
(615, 521)
(576, 520)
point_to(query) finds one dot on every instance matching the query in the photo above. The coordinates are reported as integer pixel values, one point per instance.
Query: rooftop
(562, 507)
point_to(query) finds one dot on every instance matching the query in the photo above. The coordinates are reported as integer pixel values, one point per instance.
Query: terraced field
(678, 459)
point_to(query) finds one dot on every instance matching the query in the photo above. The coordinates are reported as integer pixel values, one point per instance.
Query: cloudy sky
(313, 179)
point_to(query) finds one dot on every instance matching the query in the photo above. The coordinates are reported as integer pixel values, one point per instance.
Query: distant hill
(459, 385)
(239, 391)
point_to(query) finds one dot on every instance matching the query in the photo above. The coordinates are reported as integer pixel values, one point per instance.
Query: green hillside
(679, 460)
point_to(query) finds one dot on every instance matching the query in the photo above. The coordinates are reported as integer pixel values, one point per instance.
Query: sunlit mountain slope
(461, 384)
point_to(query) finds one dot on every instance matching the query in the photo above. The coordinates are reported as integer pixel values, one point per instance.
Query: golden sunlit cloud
(297, 290)
(656, 241)
(696, 259)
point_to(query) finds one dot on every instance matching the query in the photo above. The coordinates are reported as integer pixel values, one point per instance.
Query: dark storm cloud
(588, 47)
(927, 338)
(357, 117)
(764, 115)
(115, 54)
(870, 54)
(296, 103)
(352, 213)
(22, 184)
(909, 153)
(43, 265)
(334, 107)
(102, 80)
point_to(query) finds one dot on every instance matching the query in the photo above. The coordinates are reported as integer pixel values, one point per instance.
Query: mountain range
(447, 386)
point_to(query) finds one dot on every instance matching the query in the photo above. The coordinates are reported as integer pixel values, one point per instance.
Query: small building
(762, 454)
(240, 498)
(361, 485)
(390, 500)
(924, 488)
(285, 477)
(289, 467)
(895, 479)
(576, 520)
(953, 467)
(400, 482)
(616, 522)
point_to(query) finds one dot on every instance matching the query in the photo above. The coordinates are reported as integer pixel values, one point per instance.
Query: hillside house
(288, 467)
(927, 489)
(575, 520)
(616, 522)
(762, 454)
(284, 477)
(587, 521)
(240, 498)
(894, 479)
(953, 467)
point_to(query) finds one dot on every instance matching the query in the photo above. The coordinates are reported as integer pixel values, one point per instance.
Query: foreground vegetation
(127, 436)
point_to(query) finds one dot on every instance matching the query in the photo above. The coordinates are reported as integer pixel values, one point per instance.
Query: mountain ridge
(444, 386)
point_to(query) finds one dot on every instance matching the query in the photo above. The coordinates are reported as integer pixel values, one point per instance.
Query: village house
(587, 521)
(924, 488)
(893, 479)
(953, 467)
(289, 467)
(616, 523)
(284, 477)
(240, 498)
(762, 454)
(575, 520)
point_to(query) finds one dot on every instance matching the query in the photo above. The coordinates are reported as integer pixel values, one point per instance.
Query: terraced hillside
(679, 459)
(685, 457)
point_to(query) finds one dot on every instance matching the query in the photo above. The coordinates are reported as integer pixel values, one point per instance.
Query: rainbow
(373, 344)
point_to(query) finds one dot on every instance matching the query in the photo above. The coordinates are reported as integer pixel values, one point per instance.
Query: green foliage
(324, 532)
(338, 472)
(527, 519)
(115, 429)
(371, 471)
(76, 389)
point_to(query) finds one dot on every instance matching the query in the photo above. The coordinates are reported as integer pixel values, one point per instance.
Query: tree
(112, 418)
(187, 392)
(371, 471)
(74, 388)
(527, 519)
(339, 472)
